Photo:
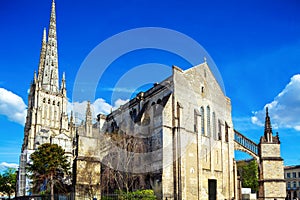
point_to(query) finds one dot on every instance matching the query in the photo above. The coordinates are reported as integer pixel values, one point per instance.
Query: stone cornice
(272, 158)
(271, 180)
(89, 159)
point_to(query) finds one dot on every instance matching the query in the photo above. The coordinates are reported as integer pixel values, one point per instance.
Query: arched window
(214, 125)
(208, 120)
(202, 120)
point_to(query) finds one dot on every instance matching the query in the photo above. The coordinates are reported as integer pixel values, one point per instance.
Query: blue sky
(255, 45)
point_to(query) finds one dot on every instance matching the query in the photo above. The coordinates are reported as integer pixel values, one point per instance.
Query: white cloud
(284, 109)
(5, 165)
(12, 106)
(119, 102)
(98, 106)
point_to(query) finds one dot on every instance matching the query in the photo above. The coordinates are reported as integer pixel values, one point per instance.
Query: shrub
(137, 195)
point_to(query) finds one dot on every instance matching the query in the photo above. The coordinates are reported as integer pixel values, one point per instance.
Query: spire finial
(205, 60)
(268, 128)
(63, 84)
(44, 35)
(88, 108)
(88, 113)
(71, 117)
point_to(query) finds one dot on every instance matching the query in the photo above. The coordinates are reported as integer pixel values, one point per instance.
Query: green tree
(248, 172)
(49, 168)
(8, 181)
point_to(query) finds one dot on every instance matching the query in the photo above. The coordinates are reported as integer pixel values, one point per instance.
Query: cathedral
(176, 138)
(47, 120)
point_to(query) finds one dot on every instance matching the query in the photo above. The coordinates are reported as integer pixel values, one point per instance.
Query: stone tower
(47, 120)
(271, 176)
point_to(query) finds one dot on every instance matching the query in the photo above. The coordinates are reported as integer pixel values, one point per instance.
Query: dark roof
(292, 167)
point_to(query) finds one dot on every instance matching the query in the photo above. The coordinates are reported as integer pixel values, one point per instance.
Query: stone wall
(207, 134)
(185, 129)
(272, 183)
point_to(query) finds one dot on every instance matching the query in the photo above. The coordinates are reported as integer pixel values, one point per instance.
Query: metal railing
(245, 142)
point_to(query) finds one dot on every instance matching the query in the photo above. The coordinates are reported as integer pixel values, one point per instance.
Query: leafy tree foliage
(248, 172)
(49, 169)
(8, 181)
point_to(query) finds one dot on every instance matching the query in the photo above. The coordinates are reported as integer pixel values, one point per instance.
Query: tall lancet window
(226, 132)
(219, 130)
(208, 120)
(202, 121)
(214, 127)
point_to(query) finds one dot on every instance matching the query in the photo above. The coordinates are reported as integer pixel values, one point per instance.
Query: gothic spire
(88, 120)
(34, 77)
(268, 128)
(42, 56)
(88, 113)
(51, 59)
(71, 118)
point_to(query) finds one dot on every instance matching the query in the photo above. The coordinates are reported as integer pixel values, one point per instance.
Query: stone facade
(186, 120)
(87, 166)
(292, 178)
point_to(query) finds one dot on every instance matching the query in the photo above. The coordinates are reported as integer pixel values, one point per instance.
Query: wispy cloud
(284, 109)
(244, 124)
(98, 106)
(12, 106)
(116, 89)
